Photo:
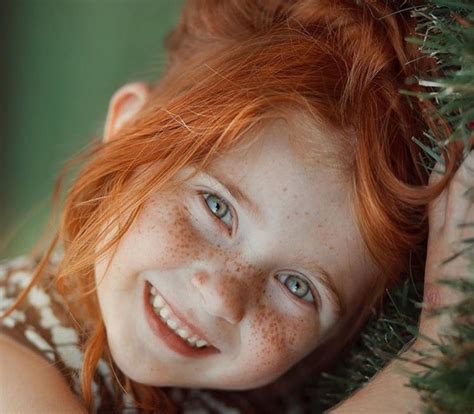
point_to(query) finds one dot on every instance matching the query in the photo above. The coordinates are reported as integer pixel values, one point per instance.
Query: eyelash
(310, 289)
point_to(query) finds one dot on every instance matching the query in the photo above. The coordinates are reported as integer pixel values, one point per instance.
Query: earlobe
(124, 105)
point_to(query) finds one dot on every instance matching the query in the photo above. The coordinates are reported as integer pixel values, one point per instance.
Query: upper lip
(195, 329)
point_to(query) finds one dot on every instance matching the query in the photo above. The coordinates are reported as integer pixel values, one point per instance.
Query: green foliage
(446, 32)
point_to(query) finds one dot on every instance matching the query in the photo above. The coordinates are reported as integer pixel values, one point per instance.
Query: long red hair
(231, 66)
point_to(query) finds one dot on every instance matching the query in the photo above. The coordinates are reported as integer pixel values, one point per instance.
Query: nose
(221, 296)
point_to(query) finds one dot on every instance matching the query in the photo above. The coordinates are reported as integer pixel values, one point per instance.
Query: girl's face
(260, 257)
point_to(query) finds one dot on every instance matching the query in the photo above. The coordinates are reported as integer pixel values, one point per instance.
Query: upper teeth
(165, 313)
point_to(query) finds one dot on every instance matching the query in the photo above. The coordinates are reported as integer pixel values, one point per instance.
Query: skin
(223, 273)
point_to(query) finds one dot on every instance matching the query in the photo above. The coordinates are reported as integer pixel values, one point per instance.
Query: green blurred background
(61, 61)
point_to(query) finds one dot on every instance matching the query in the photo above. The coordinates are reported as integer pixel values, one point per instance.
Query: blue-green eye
(219, 208)
(298, 286)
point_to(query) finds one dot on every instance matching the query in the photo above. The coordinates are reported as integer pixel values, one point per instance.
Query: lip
(169, 337)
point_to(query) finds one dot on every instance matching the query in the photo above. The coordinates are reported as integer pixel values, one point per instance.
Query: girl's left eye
(298, 286)
(219, 208)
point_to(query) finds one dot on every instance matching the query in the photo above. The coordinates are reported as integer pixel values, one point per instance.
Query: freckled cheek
(278, 341)
(161, 238)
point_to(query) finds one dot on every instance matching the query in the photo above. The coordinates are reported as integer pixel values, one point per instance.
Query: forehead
(299, 136)
(298, 151)
(317, 143)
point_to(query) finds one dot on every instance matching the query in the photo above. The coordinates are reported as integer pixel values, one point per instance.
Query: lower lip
(168, 336)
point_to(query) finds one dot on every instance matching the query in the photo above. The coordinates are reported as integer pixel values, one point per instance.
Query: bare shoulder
(29, 384)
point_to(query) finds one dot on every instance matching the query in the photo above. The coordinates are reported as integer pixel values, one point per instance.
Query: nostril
(221, 296)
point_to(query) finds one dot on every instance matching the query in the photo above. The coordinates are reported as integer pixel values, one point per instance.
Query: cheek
(278, 341)
(166, 229)
(161, 238)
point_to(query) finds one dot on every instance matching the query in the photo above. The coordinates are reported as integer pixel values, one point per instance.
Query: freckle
(288, 217)
(201, 277)
(284, 189)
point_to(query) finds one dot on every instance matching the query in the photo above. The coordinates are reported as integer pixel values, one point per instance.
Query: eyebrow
(237, 193)
(321, 275)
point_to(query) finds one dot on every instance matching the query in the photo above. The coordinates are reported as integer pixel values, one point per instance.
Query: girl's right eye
(220, 209)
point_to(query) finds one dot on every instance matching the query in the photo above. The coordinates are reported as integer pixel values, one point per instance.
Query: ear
(124, 105)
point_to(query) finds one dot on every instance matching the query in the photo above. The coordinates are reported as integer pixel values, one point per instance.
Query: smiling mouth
(178, 335)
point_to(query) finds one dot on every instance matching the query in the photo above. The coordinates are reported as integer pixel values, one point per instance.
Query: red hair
(231, 66)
